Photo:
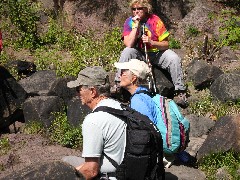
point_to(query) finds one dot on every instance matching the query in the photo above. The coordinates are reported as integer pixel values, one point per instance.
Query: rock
(59, 88)
(163, 82)
(202, 74)
(183, 173)
(76, 112)
(195, 144)
(41, 108)
(47, 170)
(226, 87)
(223, 137)
(12, 96)
(39, 83)
(222, 173)
(199, 125)
(23, 68)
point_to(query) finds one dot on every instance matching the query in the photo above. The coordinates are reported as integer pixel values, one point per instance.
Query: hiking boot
(181, 99)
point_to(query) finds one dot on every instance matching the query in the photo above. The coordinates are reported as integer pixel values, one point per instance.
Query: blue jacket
(144, 104)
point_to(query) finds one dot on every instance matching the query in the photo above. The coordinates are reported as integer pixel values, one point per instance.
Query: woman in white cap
(133, 78)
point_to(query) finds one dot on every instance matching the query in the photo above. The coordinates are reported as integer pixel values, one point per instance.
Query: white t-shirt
(103, 131)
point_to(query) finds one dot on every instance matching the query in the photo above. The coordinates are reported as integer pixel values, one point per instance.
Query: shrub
(174, 44)
(228, 160)
(230, 30)
(63, 133)
(4, 146)
(33, 127)
(217, 108)
(23, 15)
(192, 31)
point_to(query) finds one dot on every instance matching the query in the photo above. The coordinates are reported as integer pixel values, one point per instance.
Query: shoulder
(110, 103)
(154, 17)
(100, 117)
(128, 19)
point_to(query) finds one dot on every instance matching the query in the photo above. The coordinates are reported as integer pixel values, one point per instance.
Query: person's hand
(136, 20)
(146, 39)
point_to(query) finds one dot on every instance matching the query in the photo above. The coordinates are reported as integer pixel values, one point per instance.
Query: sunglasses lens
(139, 8)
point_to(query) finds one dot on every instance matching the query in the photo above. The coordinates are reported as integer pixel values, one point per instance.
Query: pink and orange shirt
(154, 28)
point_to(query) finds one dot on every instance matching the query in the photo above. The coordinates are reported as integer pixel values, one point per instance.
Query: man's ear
(93, 92)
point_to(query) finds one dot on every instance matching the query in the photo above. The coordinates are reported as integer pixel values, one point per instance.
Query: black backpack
(143, 157)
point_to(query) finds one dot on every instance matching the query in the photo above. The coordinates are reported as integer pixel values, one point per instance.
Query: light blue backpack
(174, 127)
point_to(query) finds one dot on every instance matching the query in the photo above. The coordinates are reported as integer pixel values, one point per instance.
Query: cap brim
(124, 65)
(73, 84)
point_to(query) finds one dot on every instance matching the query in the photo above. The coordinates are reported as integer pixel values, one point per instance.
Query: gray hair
(103, 90)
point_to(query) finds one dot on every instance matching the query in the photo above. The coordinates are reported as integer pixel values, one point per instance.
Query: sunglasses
(138, 8)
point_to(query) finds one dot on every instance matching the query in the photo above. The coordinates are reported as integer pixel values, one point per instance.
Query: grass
(229, 161)
(4, 145)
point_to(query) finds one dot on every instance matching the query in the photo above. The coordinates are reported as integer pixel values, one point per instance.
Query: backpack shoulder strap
(112, 111)
(145, 92)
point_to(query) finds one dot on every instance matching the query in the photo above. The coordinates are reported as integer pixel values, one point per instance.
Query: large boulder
(12, 96)
(224, 136)
(202, 74)
(23, 68)
(39, 83)
(226, 87)
(46, 170)
(59, 88)
(41, 108)
(163, 82)
(199, 125)
(46, 83)
(76, 112)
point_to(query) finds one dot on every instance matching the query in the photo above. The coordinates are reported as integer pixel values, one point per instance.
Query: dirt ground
(29, 149)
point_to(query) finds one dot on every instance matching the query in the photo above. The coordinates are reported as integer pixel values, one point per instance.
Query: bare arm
(90, 168)
(130, 39)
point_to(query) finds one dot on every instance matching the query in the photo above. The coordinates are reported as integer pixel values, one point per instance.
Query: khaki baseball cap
(137, 67)
(90, 76)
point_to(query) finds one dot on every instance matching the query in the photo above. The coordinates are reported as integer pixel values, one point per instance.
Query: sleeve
(139, 105)
(161, 30)
(127, 27)
(92, 139)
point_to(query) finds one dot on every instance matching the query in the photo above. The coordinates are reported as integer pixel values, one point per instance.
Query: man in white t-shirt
(102, 132)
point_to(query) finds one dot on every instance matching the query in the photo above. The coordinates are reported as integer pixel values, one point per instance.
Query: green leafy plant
(174, 44)
(63, 133)
(33, 127)
(217, 108)
(228, 160)
(192, 31)
(4, 145)
(230, 30)
(23, 15)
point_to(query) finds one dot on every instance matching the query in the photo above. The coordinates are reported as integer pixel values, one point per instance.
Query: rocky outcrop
(199, 125)
(223, 137)
(41, 109)
(76, 112)
(226, 87)
(202, 74)
(47, 170)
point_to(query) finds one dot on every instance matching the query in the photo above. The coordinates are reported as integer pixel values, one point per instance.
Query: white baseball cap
(137, 67)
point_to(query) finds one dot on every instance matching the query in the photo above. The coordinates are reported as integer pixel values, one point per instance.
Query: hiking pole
(151, 82)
